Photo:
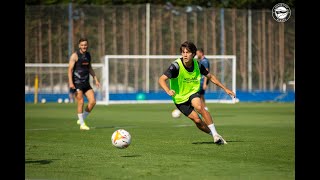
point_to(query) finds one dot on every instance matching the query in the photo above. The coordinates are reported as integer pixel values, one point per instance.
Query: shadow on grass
(44, 161)
(135, 155)
(211, 142)
(103, 127)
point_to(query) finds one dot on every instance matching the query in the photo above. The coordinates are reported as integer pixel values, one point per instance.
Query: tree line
(120, 29)
(238, 4)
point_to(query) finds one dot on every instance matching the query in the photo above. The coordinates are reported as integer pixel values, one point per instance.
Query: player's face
(199, 54)
(187, 55)
(83, 46)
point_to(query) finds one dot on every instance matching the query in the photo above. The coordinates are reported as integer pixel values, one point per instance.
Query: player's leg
(91, 102)
(71, 99)
(80, 102)
(188, 111)
(199, 123)
(202, 92)
(199, 107)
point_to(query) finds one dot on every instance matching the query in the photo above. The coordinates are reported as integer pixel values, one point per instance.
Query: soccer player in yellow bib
(185, 74)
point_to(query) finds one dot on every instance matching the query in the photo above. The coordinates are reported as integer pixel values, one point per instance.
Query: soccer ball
(66, 100)
(121, 139)
(60, 100)
(176, 113)
(43, 100)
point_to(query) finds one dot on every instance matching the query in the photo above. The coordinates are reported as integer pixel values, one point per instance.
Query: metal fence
(52, 32)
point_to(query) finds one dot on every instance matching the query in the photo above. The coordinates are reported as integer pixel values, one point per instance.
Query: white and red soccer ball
(121, 139)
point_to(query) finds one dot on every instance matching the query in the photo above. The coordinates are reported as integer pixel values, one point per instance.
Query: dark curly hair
(189, 46)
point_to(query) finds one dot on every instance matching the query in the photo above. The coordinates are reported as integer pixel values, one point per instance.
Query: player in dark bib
(204, 80)
(79, 72)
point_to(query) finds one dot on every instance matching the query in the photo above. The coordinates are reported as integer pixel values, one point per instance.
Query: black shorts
(186, 108)
(84, 87)
(202, 92)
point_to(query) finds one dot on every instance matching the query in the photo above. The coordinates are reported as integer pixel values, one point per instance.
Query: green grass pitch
(260, 136)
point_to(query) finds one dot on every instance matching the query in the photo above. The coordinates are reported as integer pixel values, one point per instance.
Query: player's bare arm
(205, 80)
(162, 81)
(93, 74)
(72, 62)
(214, 80)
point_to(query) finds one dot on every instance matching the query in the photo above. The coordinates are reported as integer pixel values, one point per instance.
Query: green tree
(240, 4)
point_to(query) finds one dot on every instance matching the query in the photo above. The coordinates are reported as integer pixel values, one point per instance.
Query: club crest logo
(281, 12)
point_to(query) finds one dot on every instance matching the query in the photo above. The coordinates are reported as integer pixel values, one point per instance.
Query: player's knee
(199, 108)
(80, 101)
(92, 102)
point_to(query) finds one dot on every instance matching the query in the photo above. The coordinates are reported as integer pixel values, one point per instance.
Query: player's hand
(204, 87)
(171, 92)
(230, 93)
(72, 86)
(98, 84)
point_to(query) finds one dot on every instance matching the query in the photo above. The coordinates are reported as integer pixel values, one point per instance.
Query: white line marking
(182, 125)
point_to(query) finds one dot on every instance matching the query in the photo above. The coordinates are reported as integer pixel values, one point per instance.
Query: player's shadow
(203, 142)
(44, 161)
(211, 142)
(128, 156)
